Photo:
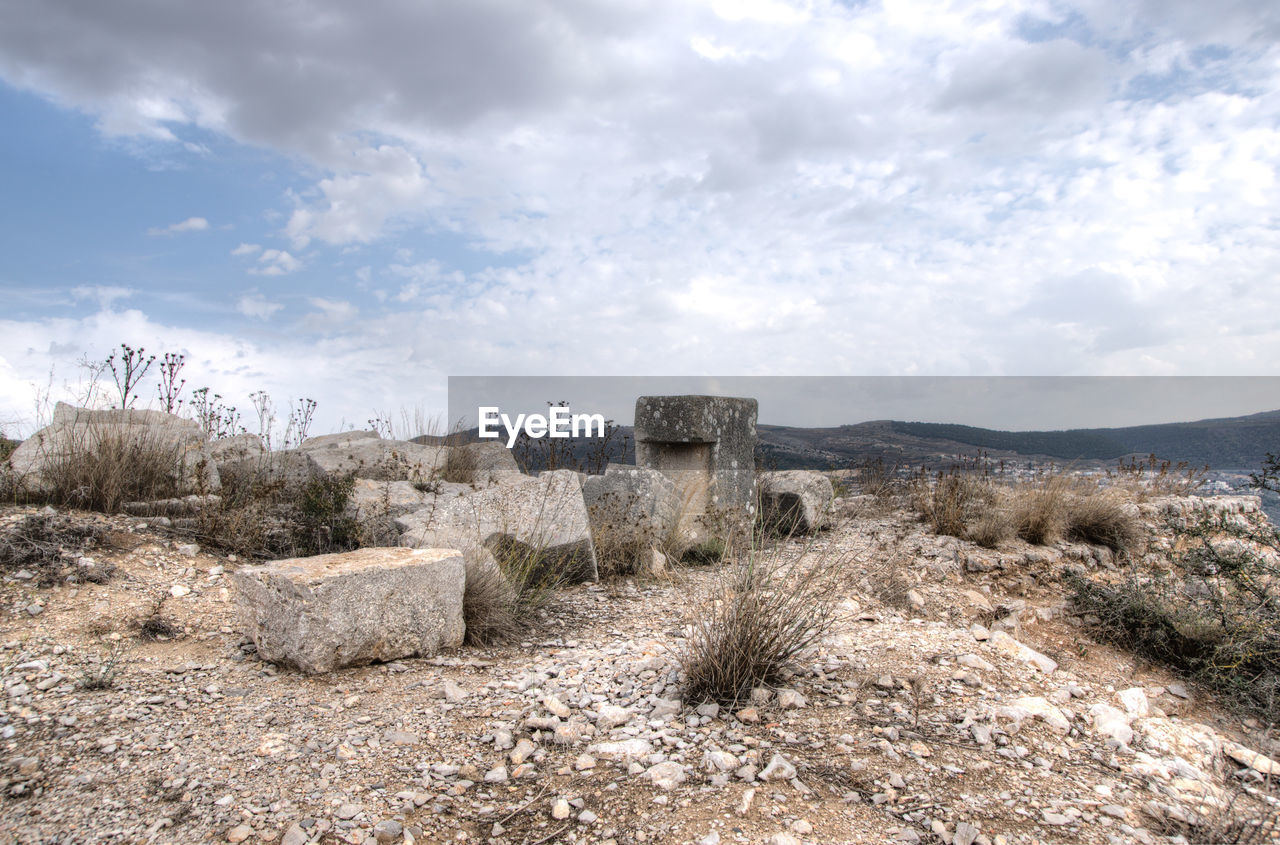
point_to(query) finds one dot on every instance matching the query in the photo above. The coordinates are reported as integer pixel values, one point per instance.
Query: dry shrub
(952, 503)
(49, 544)
(1248, 817)
(1211, 611)
(503, 595)
(1039, 511)
(273, 511)
(757, 616)
(105, 465)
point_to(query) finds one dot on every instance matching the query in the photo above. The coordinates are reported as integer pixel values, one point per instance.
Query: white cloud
(332, 311)
(105, 295)
(191, 224)
(275, 262)
(918, 186)
(257, 306)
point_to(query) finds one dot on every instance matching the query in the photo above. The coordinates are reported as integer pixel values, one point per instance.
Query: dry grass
(1041, 512)
(48, 545)
(460, 466)
(759, 615)
(952, 503)
(502, 596)
(274, 511)
(106, 465)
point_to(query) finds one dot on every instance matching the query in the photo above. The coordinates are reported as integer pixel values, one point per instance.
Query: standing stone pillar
(706, 445)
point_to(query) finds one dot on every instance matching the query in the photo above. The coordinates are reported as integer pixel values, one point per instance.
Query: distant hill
(1225, 444)
(1231, 443)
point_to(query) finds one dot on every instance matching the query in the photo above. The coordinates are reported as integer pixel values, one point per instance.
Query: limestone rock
(321, 613)
(366, 455)
(631, 507)
(796, 501)
(79, 430)
(543, 515)
(1008, 645)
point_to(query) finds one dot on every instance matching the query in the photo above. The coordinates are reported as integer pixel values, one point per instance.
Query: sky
(352, 202)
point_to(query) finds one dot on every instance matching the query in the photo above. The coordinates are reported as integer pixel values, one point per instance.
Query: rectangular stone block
(321, 613)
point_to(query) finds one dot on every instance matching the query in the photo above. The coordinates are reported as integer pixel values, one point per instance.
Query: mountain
(1223, 443)
(1230, 443)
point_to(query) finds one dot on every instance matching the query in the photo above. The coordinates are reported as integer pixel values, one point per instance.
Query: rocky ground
(955, 702)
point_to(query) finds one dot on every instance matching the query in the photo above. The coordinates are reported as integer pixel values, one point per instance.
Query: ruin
(706, 445)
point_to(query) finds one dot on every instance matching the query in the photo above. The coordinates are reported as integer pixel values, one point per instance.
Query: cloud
(275, 262)
(257, 306)
(105, 295)
(329, 311)
(910, 187)
(191, 224)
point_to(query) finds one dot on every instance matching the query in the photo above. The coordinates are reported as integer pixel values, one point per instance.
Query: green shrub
(1211, 612)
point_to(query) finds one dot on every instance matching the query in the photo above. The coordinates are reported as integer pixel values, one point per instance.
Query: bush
(1212, 613)
(107, 465)
(502, 596)
(271, 513)
(707, 552)
(758, 616)
(48, 545)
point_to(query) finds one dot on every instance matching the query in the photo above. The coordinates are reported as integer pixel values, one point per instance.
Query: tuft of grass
(105, 465)
(756, 618)
(460, 466)
(1101, 517)
(1041, 512)
(953, 502)
(504, 594)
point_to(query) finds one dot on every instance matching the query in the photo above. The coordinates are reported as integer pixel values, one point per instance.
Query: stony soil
(917, 721)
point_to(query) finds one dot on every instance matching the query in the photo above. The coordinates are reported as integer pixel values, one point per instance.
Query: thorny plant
(128, 371)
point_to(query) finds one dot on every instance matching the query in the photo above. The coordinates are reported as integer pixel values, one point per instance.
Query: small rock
(347, 812)
(666, 775)
(453, 693)
(388, 831)
(239, 833)
(789, 699)
(779, 768)
(560, 809)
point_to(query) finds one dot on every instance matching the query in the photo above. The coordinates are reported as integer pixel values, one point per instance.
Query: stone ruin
(706, 446)
(403, 596)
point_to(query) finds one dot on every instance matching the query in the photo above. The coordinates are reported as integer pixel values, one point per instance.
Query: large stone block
(325, 612)
(75, 431)
(631, 507)
(544, 514)
(366, 455)
(706, 445)
(796, 501)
